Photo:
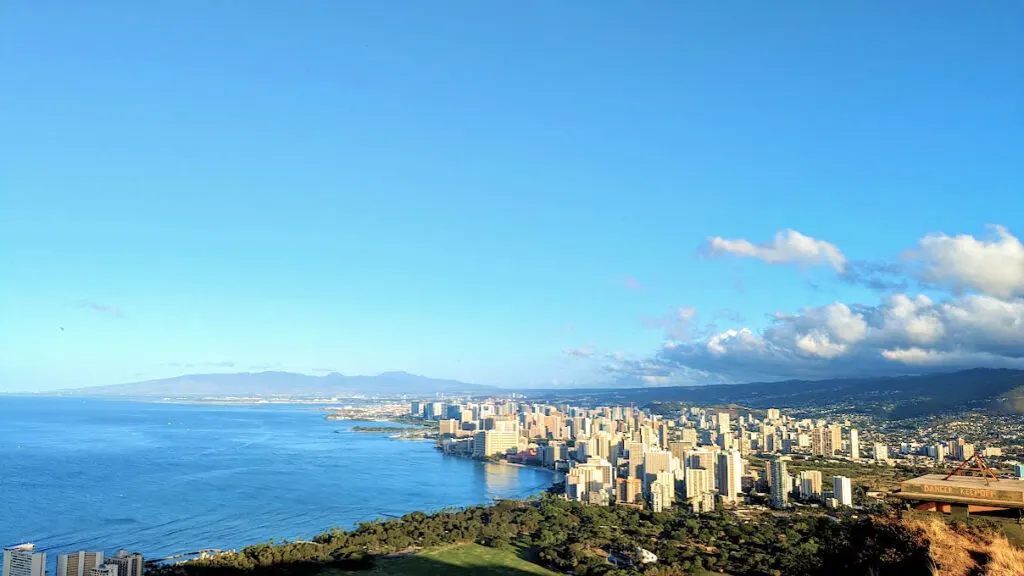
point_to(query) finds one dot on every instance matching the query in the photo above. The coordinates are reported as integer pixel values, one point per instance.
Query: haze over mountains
(284, 383)
(894, 397)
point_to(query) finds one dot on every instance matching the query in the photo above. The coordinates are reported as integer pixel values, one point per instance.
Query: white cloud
(788, 247)
(917, 320)
(994, 266)
(978, 322)
(846, 325)
(581, 352)
(818, 343)
(901, 334)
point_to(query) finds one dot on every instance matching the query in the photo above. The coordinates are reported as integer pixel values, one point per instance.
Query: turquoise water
(164, 479)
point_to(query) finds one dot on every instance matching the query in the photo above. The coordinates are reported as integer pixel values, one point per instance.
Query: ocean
(162, 479)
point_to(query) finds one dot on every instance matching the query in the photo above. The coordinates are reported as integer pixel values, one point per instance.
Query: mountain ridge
(280, 383)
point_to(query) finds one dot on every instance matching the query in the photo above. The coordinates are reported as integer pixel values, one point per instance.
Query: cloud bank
(788, 247)
(974, 317)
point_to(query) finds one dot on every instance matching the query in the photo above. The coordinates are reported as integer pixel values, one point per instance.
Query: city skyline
(568, 195)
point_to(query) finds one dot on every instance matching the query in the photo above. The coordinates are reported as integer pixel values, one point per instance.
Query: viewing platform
(978, 493)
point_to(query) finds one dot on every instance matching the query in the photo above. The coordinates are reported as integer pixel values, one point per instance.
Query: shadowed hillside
(896, 398)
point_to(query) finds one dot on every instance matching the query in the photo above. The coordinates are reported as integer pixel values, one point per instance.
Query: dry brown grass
(961, 552)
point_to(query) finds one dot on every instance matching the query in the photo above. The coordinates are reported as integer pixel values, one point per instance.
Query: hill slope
(897, 397)
(283, 383)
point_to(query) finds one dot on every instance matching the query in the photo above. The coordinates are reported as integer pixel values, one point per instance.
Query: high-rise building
(773, 415)
(881, 452)
(835, 432)
(966, 451)
(103, 570)
(636, 459)
(629, 491)
(810, 485)
(842, 490)
(688, 435)
(1019, 469)
(730, 472)
(23, 560)
(490, 442)
(78, 563)
(780, 482)
(128, 563)
(698, 482)
(854, 444)
(821, 442)
(655, 461)
(723, 422)
(415, 409)
(658, 502)
(593, 481)
(450, 426)
(679, 449)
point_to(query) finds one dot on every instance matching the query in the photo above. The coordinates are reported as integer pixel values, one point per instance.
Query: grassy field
(462, 560)
(1006, 526)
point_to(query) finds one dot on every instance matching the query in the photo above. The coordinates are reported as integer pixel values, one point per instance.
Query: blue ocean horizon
(163, 479)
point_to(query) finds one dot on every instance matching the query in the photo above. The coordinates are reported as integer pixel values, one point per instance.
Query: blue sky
(513, 195)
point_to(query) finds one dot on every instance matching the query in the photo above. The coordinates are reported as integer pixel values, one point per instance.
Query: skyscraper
(842, 489)
(698, 482)
(78, 563)
(723, 422)
(835, 432)
(730, 472)
(128, 563)
(23, 560)
(854, 444)
(780, 482)
(489, 442)
(636, 459)
(821, 442)
(810, 485)
(655, 461)
(881, 452)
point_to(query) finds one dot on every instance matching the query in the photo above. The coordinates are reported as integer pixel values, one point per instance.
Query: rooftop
(964, 489)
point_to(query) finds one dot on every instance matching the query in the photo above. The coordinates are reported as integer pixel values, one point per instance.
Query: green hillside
(459, 560)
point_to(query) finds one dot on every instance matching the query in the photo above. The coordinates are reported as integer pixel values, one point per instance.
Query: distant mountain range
(283, 383)
(901, 397)
(895, 397)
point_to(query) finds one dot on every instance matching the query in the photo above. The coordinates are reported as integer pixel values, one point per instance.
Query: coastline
(299, 475)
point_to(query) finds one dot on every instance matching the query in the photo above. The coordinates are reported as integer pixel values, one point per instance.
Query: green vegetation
(458, 560)
(381, 429)
(569, 536)
(866, 476)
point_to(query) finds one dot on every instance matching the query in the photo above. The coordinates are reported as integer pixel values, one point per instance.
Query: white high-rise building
(78, 563)
(23, 560)
(723, 422)
(698, 482)
(881, 452)
(810, 485)
(842, 489)
(854, 444)
(655, 461)
(730, 473)
(490, 442)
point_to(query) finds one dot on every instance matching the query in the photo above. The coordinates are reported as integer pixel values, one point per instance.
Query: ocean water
(163, 479)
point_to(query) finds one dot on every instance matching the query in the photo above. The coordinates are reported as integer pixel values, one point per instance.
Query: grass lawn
(460, 560)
